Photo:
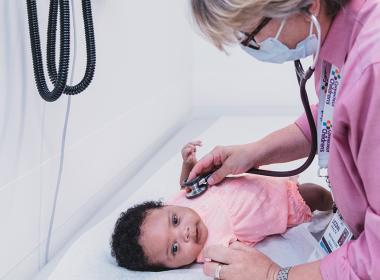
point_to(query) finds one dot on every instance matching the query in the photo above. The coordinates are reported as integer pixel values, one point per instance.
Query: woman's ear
(313, 9)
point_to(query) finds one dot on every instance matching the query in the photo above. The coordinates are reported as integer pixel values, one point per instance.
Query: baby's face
(173, 236)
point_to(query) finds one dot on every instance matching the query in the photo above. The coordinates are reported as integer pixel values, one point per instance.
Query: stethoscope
(196, 186)
(199, 185)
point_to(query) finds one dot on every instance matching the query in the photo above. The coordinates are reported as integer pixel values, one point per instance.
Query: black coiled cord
(60, 80)
(39, 75)
(90, 47)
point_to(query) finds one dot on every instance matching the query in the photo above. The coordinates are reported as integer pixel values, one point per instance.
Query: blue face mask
(272, 50)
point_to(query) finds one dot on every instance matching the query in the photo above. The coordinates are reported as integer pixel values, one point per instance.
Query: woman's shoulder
(365, 41)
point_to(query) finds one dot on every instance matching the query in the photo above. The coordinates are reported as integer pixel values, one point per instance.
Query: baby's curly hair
(125, 245)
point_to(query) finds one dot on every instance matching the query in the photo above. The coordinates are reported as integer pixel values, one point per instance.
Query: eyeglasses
(250, 41)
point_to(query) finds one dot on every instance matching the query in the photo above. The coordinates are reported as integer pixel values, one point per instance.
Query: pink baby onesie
(247, 208)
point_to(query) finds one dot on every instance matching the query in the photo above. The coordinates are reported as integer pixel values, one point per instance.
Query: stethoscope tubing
(302, 79)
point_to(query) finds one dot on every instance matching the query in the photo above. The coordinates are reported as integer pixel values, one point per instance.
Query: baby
(152, 236)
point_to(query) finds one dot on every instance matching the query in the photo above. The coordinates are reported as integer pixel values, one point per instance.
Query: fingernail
(208, 260)
(210, 181)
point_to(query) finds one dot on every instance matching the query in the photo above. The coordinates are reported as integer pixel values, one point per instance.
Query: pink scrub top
(354, 165)
(247, 208)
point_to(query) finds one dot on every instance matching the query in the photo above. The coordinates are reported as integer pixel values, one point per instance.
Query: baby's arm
(189, 159)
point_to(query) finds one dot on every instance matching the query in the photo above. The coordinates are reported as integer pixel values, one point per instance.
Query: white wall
(239, 84)
(140, 95)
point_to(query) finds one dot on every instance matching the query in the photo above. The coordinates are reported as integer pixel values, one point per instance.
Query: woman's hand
(227, 160)
(239, 262)
(284, 145)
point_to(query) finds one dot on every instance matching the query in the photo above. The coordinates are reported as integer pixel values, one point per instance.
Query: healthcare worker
(347, 81)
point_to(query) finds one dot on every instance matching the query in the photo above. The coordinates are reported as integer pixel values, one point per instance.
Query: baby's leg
(316, 197)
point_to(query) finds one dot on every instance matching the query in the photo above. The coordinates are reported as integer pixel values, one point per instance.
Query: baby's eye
(175, 248)
(175, 220)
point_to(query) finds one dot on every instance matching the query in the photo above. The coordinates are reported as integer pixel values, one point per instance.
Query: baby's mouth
(197, 233)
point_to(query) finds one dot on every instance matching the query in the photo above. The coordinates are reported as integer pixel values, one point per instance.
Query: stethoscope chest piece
(196, 186)
(196, 191)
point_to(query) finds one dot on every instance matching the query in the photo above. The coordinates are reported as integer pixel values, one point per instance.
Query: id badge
(336, 234)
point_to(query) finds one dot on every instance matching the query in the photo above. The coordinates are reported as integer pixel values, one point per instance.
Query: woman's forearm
(284, 145)
(310, 271)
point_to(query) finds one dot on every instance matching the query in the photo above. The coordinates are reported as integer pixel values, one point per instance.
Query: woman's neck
(325, 21)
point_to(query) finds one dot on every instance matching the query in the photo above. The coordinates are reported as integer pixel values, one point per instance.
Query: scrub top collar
(341, 35)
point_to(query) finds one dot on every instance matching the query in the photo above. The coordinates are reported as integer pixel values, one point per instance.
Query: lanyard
(337, 232)
(329, 89)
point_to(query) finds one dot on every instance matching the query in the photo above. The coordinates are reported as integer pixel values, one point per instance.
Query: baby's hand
(189, 151)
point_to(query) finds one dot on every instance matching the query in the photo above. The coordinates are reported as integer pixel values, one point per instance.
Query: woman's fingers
(226, 257)
(203, 165)
(224, 160)
(238, 262)
(209, 162)
(209, 269)
(219, 175)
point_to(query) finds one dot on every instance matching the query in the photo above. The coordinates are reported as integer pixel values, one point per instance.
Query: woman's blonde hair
(221, 20)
